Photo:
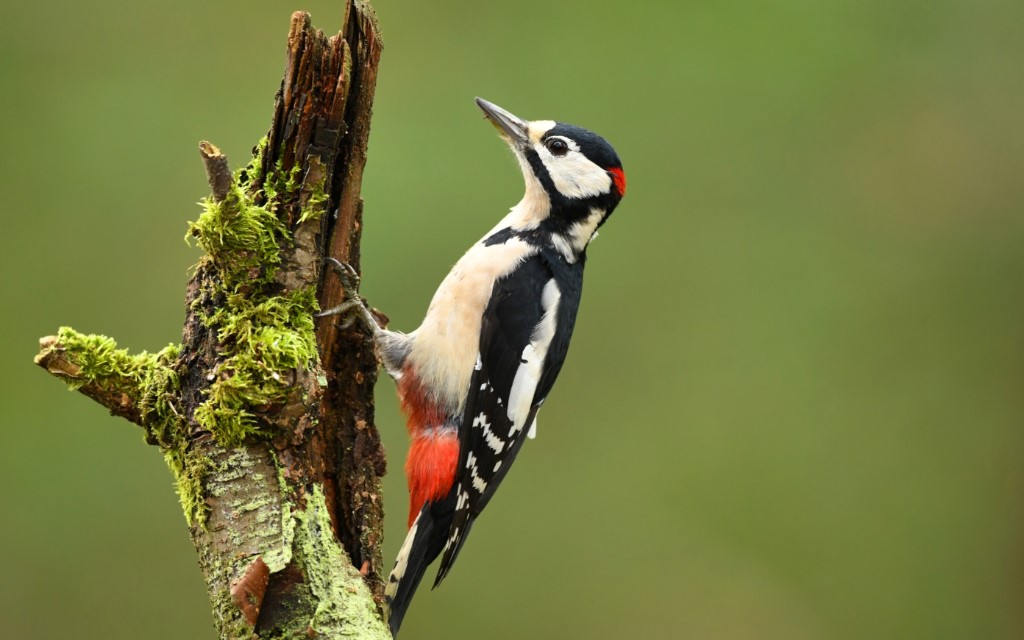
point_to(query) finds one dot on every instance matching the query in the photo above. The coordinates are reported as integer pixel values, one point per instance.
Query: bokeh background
(794, 403)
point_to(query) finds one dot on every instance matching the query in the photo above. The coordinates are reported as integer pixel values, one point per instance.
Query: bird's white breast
(446, 344)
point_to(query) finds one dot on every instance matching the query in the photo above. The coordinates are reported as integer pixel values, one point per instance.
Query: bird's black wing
(523, 343)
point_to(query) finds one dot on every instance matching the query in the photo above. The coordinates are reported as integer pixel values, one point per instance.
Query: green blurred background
(794, 404)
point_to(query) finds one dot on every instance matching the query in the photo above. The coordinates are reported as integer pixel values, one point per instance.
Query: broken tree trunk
(265, 417)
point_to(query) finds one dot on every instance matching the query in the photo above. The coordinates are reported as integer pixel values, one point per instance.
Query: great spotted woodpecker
(474, 374)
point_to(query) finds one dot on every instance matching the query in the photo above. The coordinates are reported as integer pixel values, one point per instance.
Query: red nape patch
(430, 468)
(620, 180)
(420, 409)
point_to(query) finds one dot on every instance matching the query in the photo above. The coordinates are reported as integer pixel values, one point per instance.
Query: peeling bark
(265, 419)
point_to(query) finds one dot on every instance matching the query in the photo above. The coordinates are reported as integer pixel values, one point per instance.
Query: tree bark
(266, 418)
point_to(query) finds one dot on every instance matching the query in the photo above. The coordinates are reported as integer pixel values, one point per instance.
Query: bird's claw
(341, 309)
(347, 274)
(353, 306)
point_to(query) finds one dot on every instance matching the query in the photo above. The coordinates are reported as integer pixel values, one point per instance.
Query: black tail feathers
(422, 545)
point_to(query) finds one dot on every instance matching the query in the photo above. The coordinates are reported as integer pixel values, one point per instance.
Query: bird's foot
(353, 308)
(347, 274)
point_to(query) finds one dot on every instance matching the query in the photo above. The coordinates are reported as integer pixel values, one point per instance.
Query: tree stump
(264, 415)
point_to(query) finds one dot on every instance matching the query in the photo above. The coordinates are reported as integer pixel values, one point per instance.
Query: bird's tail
(422, 544)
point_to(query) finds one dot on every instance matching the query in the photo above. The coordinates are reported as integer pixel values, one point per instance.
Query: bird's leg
(353, 306)
(392, 347)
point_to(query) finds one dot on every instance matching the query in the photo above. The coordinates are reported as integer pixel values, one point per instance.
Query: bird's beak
(512, 128)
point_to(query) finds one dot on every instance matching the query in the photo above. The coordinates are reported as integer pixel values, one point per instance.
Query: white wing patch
(532, 433)
(524, 385)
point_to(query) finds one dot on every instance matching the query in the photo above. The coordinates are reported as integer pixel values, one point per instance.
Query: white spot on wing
(493, 441)
(478, 482)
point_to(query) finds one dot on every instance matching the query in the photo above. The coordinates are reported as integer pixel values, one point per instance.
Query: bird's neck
(571, 231)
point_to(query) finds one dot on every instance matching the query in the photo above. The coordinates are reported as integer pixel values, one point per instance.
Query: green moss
(189, 469)
(310, 191)
(242, 239)
(262, 340)
(157, 403)
(280, 182)
(253, 168)
(264, 335)
(102, 363)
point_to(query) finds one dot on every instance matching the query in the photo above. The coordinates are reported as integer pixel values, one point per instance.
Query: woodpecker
(473, 376)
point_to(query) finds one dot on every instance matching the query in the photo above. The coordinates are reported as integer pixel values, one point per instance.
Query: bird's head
(574, 178)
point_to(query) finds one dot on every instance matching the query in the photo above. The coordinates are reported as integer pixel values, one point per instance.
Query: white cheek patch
(574, 175)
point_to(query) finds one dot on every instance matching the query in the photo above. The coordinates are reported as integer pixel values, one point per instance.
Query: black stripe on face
(541, 172)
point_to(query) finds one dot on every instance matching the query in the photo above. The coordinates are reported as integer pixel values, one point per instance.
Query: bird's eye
(557, 146)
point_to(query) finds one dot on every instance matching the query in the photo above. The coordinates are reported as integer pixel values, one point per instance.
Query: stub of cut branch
(217, 171)
(116, 393)
(127, 385)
